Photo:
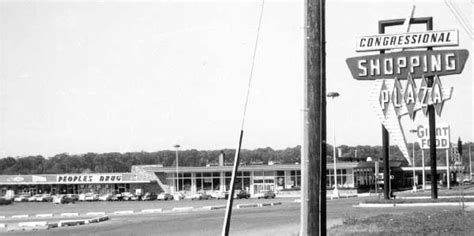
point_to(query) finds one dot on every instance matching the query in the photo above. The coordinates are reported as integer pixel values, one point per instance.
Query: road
(274, 220)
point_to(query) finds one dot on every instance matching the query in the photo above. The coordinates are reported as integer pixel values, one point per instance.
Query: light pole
(413, 131)
(177, 171)
(332, 95)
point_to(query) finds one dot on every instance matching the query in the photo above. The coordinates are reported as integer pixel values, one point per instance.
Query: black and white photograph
(236, 117)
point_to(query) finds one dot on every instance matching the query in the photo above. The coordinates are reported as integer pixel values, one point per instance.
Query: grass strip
(452, 222)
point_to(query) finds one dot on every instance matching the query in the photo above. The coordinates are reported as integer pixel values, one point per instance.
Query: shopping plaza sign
(402, 64)
(407, 40)
(404, 58)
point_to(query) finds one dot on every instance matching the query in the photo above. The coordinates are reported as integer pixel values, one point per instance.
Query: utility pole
(313, 164)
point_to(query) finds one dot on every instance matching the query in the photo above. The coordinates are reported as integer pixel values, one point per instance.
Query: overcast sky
(104, 76)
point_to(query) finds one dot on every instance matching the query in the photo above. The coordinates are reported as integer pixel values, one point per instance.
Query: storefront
(99, 183)
(156, 178)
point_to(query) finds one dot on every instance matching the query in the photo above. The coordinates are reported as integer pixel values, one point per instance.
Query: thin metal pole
(423, 172)
(230, 199)
(448, 173)
(335, 191)
(470, 163)
(177, 171)
(414, 184)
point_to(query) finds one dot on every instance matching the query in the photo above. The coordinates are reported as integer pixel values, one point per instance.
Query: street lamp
(333, 95)
(177, 171)
(413, 131)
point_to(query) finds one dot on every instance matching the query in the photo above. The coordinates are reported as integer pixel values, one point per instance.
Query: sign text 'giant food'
(91, 178)
(442, 136)
(400, 64)
(407, 40)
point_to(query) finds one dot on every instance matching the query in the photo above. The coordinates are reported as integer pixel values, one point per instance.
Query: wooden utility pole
(313, 164)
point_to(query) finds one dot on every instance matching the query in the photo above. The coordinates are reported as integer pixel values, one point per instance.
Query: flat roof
(277, 167)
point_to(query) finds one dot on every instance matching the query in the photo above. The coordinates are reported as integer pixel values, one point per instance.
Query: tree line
(122, 162)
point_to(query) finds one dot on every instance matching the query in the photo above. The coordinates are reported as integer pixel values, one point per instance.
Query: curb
(70, 214)
(2, 217)
(123, 212)
(247, 205)
(182, 209)
(99, 219)
(159, 210)
(276, 203)
(94, 213)
(63, 223)
(44, 215)
(407, 204)
(33, 224)
(214, 207)
(20, 216)
(264, 204)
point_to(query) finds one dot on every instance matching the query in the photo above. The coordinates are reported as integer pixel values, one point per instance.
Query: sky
(108, 76)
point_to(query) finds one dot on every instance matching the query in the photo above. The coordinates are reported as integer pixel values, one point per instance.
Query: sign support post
(423, 172)
(448, 172)
(385, 143)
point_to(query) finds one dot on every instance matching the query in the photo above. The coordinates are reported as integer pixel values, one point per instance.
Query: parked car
(62, 199)
(82, 197)
(149, 197)
(239, 194)
(5, 201)
(116, 197)
(105, 197)
(265, 194)
(92, 197)
(44, 198)
(33, 198)
(136, 198)
(21, 198)
(220, 195)
(165, 196)
(200, 196)
(178, 196)
(126, 196)
(75, 197)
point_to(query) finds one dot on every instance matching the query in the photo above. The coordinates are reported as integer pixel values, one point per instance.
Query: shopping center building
(156, 178)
